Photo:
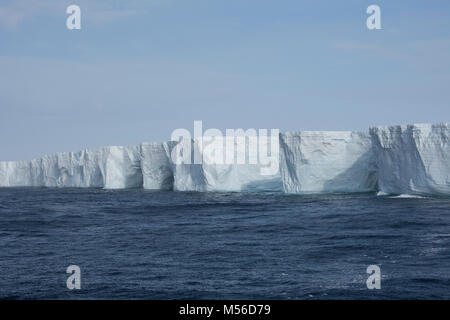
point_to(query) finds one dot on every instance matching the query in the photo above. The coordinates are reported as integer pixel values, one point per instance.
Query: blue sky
(137, 70)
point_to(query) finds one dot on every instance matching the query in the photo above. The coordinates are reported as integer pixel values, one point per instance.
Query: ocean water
(137, 244)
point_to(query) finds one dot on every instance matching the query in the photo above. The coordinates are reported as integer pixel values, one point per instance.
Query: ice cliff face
(243, 175)
(148, 166)
(412, 159)
(69, 169)
(109, 167)
(156, 165)
(327, 162)
(121, 167)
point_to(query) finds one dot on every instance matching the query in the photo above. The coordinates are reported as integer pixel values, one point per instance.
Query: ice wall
(70, 169)
(327, 162)
(15, 174)
(121, 167)
(214, 173)
(109, 167)
(156, 165)
(413, 159)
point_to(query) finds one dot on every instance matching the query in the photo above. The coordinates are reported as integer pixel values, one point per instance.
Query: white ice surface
(413, 159)
(156, 165)
(327, 162)
(212, 175)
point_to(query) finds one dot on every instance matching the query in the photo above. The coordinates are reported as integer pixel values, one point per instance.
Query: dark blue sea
(137, 244)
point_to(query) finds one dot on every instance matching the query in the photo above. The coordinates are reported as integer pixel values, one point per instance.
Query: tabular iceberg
(413, 159)
(109, 167)
(327, 162)
(212, 175)
(70, 169)
(121, 167)
(156, 165)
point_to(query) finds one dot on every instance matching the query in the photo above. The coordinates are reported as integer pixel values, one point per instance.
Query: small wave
(407, 196)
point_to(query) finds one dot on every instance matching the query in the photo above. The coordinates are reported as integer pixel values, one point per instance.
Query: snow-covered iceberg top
(412, 159)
